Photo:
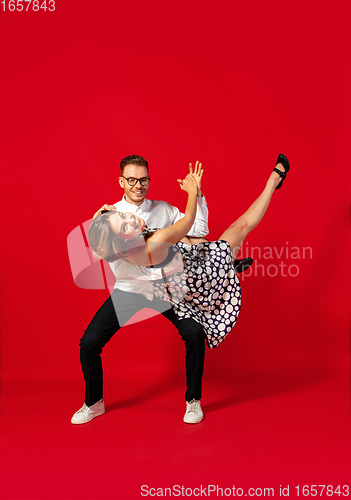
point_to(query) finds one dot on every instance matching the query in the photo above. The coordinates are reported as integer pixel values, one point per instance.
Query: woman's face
(126, 225)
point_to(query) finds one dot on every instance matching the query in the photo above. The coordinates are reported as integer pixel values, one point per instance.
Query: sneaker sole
(193, 421)
(87, 421)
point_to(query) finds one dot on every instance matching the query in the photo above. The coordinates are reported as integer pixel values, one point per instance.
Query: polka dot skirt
(206, 290)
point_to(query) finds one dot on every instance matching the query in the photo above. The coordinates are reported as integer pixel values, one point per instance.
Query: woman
(207, 289)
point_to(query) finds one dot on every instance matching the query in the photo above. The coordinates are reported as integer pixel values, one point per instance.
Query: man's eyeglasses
(144, 181)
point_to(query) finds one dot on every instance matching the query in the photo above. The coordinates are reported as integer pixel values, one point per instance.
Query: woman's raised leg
(238, 231)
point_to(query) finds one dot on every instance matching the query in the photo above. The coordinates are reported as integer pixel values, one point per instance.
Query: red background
(231, 84)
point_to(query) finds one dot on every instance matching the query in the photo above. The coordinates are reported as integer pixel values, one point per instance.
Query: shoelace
(83, 409)
(193, 406)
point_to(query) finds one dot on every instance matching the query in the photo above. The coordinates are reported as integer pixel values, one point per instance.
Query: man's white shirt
(158, 214)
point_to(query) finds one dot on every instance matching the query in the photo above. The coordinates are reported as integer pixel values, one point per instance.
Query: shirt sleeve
(200, 226)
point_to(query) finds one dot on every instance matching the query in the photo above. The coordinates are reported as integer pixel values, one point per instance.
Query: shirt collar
(129, 207)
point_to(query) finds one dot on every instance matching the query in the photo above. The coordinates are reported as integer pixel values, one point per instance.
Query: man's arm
(200, 226)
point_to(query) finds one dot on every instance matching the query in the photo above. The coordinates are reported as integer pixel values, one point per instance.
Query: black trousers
(111, 316)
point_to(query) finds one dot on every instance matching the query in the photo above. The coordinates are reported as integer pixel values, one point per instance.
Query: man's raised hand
(188, 184)
(105, 207)
(197, 173)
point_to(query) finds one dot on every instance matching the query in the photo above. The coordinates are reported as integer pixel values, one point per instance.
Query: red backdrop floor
(260, 430)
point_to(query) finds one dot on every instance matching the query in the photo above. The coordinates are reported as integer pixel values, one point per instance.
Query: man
(131, 295)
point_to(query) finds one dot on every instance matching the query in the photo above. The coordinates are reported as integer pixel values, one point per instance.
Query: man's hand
(188, 184)
(197, 173)
(105, 207)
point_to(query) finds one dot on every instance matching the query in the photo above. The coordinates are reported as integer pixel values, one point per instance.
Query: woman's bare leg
(238, 231)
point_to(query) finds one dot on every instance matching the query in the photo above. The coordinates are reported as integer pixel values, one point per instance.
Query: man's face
(134, 194)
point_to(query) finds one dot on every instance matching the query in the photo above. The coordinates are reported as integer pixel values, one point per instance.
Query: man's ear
(120, 180)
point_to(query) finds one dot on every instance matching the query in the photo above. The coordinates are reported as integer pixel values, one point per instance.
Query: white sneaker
(87, 413)
(193, 414)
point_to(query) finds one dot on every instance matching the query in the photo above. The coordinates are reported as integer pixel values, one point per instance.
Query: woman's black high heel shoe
(241, 265)
(285, 162)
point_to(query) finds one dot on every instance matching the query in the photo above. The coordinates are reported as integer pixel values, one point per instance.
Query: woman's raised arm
(156, 249)
(180, 229)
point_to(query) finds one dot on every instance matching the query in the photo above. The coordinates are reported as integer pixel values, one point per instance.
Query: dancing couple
(162, 261)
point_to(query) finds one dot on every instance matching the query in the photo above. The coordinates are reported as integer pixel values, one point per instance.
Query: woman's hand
(189, 184)
(174, 266)
(197, 173)
(105, 207)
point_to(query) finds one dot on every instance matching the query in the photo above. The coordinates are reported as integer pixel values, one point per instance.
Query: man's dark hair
(134, 160)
